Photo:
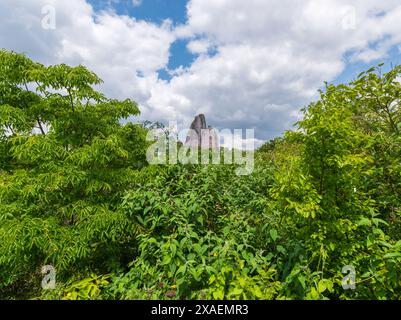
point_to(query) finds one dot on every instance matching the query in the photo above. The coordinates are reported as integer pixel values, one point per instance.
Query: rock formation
(201, 135)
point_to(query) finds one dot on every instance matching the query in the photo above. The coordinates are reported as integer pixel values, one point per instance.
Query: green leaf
(392, 255)
(218, 294)
(273, 234)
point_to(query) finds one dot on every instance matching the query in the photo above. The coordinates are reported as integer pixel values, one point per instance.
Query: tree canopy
(77, 193)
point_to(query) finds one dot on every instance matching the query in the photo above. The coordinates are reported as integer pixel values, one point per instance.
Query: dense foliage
(76, 193)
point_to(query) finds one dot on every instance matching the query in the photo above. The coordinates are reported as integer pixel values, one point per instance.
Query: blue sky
(148, 10)
(244, 64)
(353, 69)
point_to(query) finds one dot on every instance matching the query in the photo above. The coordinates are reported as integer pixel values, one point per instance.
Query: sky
(244, 64)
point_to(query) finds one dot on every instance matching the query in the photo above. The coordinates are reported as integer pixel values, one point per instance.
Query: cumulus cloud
(257, 62)
(126, 53)
(136, 3)
(271, 57)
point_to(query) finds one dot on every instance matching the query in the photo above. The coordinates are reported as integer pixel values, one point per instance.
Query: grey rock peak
(202, 135)
(199, 123)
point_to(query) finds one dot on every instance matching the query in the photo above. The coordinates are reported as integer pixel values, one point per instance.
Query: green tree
(340, 190)
(65, 161)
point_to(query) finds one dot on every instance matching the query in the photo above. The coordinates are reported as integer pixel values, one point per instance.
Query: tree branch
(71, 100)
(40, 126)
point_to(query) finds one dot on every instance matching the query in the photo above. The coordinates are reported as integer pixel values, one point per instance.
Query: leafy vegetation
(77, 193)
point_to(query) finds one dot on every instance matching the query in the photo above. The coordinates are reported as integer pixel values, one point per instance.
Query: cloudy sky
(243, 63)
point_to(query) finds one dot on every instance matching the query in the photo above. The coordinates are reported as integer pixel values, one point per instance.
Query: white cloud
(271, 57)
(199, 46)
(258, 61)
(136, 3)
(126, 53)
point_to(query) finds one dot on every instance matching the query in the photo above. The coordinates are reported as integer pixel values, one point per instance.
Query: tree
(65, 162)
(341, 190)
